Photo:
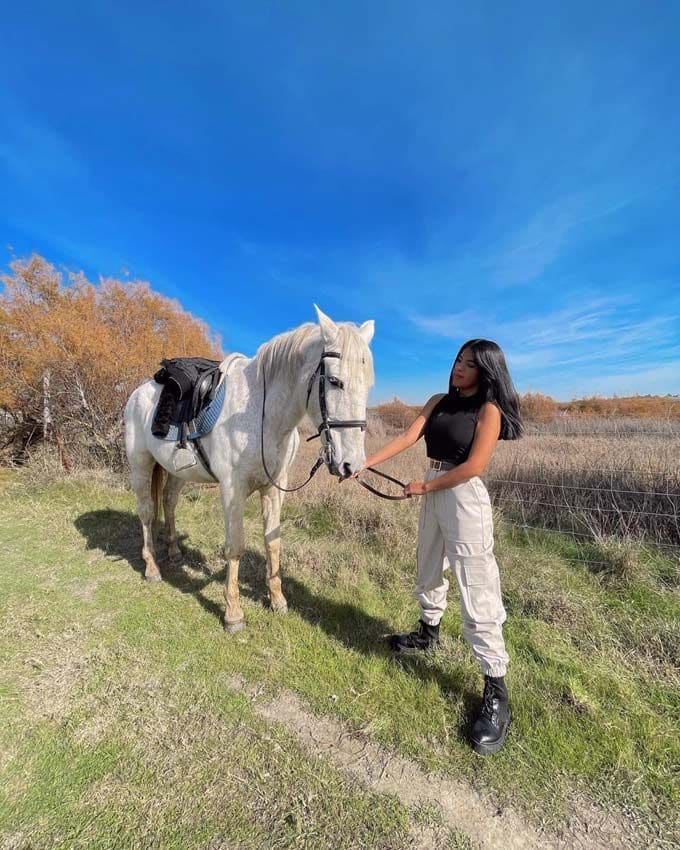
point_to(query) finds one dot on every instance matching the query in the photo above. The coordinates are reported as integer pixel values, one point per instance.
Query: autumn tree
(71, 352)
(537, 407)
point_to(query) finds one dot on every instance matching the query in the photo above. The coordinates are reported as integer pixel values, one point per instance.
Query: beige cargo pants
(455, 528)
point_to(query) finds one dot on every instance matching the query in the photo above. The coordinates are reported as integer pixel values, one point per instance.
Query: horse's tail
(157, 480)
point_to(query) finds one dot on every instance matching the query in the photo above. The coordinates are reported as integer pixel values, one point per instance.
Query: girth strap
(204, 457)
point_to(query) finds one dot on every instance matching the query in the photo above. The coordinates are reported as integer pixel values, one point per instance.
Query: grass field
(122, 725)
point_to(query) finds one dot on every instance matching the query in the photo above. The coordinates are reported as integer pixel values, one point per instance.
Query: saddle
(189, 385)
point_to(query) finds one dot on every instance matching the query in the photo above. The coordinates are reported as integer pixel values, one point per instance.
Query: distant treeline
(537, 407)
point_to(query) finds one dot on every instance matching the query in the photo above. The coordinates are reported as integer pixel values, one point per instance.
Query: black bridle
(324, 428)
(326, 423)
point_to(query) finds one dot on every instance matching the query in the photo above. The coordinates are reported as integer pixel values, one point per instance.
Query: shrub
(72, 352)
(537, 407)
(396, 413)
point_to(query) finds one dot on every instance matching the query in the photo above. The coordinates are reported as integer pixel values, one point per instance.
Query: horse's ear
(367, 330)
(329, 330)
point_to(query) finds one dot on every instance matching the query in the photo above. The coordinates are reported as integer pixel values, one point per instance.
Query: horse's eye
(336, 382)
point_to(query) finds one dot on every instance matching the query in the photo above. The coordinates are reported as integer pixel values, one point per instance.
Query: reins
(319, 461)
(389, 478)
(325, 428)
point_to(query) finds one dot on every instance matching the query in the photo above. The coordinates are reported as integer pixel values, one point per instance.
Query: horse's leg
(141, 472)
(171, 493)
(232, 504)
(272, 500)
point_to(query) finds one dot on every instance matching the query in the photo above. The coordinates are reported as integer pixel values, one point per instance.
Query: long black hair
(495, 384)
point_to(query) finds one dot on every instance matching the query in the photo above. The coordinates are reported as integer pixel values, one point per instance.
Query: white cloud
(593, 320)
(658, 380)
(530, 250)
(603, 346)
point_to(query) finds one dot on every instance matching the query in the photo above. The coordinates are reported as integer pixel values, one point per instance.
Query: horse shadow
(118, 535)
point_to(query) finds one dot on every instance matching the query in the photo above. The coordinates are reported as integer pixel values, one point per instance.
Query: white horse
(335, 359)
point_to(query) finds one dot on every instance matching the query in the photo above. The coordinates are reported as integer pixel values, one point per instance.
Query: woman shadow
(118, 535)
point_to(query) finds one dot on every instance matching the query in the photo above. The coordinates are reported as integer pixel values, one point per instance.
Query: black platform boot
(424, 637)
(491, 726)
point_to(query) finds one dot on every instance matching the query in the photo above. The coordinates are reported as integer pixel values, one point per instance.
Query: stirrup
(183, 459)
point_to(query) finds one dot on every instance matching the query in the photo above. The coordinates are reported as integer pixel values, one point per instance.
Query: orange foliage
(538, 407)
(637, 406)
(396, 413)
(80, 349)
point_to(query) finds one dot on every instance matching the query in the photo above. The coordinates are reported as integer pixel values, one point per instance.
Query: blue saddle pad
(206, 419)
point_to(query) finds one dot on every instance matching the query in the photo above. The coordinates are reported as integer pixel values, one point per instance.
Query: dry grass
(596, 481)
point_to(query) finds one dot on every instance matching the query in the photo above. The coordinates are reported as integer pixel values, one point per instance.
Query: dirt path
(462, 808)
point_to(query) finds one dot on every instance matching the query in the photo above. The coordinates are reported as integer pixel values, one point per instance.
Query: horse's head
(340, 378)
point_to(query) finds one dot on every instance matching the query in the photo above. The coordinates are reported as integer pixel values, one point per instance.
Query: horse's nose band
(326, 424)
(325, 428)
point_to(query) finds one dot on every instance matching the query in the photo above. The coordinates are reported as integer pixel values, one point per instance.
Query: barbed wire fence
(586, 505)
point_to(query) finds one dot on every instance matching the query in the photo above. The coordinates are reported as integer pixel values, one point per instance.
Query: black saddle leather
(189, 384)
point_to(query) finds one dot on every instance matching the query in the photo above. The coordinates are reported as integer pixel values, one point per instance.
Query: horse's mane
(285, 353)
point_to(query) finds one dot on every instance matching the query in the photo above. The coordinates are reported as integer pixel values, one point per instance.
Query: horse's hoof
(234, 628)
(175, 558)
(280, 608)
(153, 578)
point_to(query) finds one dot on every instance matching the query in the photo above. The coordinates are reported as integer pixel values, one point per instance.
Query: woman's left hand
(414, 488)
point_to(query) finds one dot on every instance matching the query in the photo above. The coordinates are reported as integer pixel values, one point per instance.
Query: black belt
(439, 464)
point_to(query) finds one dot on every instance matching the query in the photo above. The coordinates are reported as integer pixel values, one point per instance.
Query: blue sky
(510, 171)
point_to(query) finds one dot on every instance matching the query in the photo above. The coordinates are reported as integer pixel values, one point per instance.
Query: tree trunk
(47, 413)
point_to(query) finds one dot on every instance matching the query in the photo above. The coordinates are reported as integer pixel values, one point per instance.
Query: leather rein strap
(326, 423)
(389, 478)
(325, 428)
(319, 461)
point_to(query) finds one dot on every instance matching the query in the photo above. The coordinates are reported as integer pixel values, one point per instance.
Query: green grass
(119, 727)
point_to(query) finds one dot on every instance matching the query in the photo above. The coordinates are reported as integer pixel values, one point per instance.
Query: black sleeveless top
(451, 427)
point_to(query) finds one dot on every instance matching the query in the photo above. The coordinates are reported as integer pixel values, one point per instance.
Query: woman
(455, 529)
